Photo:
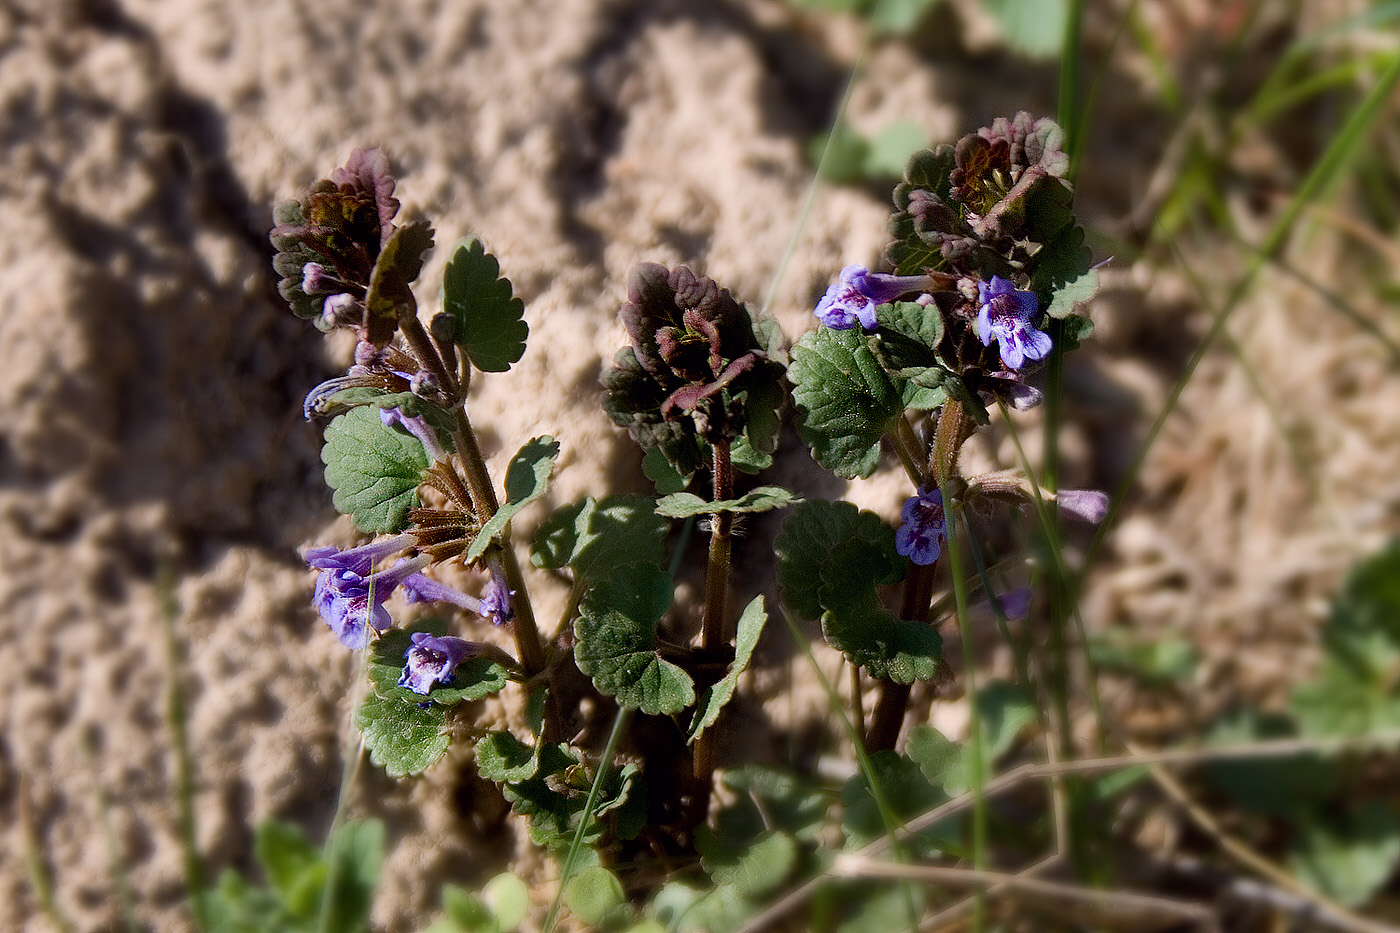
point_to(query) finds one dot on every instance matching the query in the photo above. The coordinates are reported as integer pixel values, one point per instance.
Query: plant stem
(712, 634)
(888, 717)
(422, 346)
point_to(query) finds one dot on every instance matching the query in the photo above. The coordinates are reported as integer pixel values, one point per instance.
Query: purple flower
(496, 599)
(918, 538)
(1005, 316)
(417, 426)
(433, 659)
(421, 588)
(350, 595)
(1087, 505)
(858, 291)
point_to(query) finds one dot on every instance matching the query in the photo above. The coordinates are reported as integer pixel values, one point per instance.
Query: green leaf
(809, 536)
(1035, 28)
(617, 641)
(594, 895)
(890, 148)
(685, 908)
(1003, 710)
(592, 537)
(508, 896)
(1351, 862)
(402, 738)
(1284, 786)
(845, 401)
(466, 913)
(768, 798)
(942, 761)
(287, 858)
(527, 478)
(1062, 276)
(660, 471)
(475, 677)
(753, 866)
(503, 758)
(374, 470)
(1369, 601)
(490, 329)
(904, 788)
(856, 624)
(714, 698)
(762, 499)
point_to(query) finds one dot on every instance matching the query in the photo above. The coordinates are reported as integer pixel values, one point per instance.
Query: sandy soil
(151, 380)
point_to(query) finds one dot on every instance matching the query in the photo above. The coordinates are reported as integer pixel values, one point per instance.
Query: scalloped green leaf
(617, 641)
(475, 677)
(501, 757)
(809, 537)
(1062, 274)
(855, 623)
(594, 895)
(714, 698)
(753, 866)
(592, 537)
(374, 470)
(402, 738)
(767, 797)
(845, 401)
(903, 785)
(527, 478)
(490, 327)
(762, 499)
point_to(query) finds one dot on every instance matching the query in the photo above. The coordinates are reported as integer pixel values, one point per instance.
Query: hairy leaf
(594, 536)
(856, 624)
(374, 470)
(503, 758)
(490, 327)
(617, 641)
(753, 866)
(762, 499)
(402, 738)
(845, 401)
(810, 535)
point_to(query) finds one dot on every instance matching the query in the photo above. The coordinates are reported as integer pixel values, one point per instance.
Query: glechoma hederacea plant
(987, 266)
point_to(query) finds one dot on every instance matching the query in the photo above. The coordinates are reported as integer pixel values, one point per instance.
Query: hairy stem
(712, 634)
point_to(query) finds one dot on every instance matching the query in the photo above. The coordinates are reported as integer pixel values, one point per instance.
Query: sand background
(150, 378)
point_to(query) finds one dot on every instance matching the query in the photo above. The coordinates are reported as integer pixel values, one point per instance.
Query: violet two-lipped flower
(919, 537)
(350, 594)
(857, 292)
(1005, 316)
(433, 659)
(419, 427)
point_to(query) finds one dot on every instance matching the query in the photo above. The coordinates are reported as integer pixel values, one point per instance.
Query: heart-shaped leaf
(374, 470)
(617, 641)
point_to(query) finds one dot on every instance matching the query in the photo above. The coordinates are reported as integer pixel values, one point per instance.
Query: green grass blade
(621, 723)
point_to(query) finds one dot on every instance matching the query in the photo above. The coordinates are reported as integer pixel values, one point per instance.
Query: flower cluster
(350, 593)
(695, 371)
